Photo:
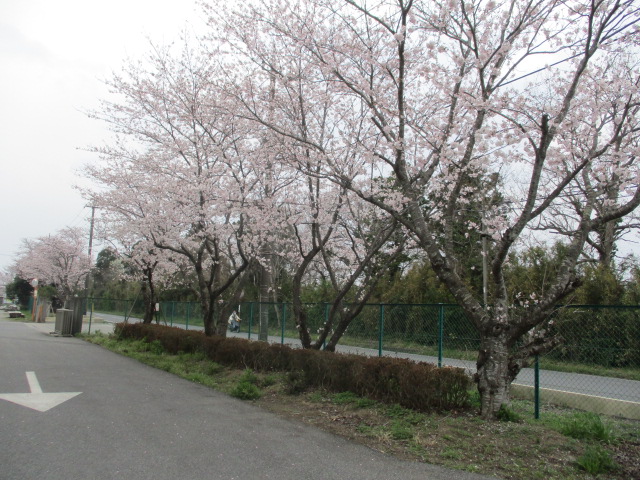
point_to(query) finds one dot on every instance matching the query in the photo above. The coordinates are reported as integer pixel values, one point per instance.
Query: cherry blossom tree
(428, 100)
(142, 262)
(605, 123)
(178, 174)
(59, 259)
(338, 239)
(329, 231)
(5, 279)
(354, 260)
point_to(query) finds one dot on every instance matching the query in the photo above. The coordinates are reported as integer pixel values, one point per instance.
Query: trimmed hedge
(420, 386)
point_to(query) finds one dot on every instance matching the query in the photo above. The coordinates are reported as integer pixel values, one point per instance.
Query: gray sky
(53, 56)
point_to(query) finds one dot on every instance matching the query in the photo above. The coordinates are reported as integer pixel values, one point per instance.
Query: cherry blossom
(59, 259)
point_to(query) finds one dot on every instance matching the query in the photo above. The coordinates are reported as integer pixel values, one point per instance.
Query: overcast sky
(53, 58)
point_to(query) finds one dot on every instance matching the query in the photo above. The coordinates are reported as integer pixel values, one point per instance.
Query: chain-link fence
(596, 366)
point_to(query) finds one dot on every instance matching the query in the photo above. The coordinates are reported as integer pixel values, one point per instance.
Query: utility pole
(89, 282)
(93, 217)
(265, 249)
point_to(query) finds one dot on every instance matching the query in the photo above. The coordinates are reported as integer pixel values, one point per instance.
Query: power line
(74, 222)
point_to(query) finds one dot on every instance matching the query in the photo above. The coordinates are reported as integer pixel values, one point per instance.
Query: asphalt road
(134, 422)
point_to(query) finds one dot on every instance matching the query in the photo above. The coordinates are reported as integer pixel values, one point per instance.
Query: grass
(627, 373)
(586, 426)
(564, 444)
(596, 460)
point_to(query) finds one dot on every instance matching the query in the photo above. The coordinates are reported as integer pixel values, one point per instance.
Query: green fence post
(186, 327)
(283, 321)
(536, 388)
(250, 320)
(440, 332)
(380, 329)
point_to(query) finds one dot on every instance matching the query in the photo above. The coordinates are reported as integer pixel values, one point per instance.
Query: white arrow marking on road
(34, 385)
(37, 400)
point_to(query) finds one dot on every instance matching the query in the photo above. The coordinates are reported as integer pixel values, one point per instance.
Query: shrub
(418, 386)
(246, 391)
(474, 399)
(268, 380)
(249, 377)
(156, 347)
(596, 460)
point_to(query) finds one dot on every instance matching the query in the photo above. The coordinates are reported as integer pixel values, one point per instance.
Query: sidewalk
(97, 324)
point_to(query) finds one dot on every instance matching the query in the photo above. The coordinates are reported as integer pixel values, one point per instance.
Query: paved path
(592, 385)
(134, 422)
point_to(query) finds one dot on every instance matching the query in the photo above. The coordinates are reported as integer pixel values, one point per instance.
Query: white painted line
(34, 386)
(587, 395)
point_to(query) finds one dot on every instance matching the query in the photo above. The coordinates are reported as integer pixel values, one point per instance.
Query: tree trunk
(224, 310)
(300, 317)
(207, 315)
(493, 376)
(149, 310)
(299, 311)
(221, 329)
(265, 284)
(607, 243)
(149, 298)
